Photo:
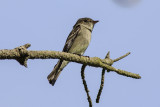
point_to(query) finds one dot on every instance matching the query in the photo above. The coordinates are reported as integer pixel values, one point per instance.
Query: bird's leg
(87, 56)
(81, 55)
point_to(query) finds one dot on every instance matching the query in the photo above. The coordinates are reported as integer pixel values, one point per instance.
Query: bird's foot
(81, 55)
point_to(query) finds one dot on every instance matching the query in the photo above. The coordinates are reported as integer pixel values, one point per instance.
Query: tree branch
(21, 54)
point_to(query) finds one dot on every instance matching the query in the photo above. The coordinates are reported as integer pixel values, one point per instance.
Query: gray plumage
(76, 43)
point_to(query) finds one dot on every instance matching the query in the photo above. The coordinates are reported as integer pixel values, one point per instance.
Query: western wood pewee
(76, 43)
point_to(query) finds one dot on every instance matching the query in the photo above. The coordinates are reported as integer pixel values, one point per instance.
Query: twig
(117, 59)
(102, 78)
(101, 86)
(85, 85)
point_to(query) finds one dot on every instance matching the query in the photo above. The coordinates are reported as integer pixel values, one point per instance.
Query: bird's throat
(87, 28)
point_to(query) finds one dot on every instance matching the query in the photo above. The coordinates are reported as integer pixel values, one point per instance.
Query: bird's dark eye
(85, 20)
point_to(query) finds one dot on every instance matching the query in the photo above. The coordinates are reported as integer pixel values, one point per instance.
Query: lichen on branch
(21, 54)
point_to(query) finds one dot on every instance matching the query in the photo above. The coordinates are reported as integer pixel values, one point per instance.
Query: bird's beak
(95, 21)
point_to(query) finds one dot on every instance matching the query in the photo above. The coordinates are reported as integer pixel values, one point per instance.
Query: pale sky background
(45, 24)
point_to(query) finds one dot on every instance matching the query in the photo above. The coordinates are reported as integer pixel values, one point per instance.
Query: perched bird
(76, 43)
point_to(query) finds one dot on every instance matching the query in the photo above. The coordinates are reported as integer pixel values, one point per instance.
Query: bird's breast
(81, 42)
(86, 35)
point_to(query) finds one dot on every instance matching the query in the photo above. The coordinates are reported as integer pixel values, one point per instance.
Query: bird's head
(86, 22)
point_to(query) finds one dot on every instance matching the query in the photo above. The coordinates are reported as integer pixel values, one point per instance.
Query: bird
(77, 42)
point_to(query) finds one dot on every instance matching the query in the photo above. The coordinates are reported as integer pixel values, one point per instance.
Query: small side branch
(85, 85)
(102, 78)
(101, 86)
(117, 59)
(22, 50)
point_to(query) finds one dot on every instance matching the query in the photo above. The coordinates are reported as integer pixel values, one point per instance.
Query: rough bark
(21, 54)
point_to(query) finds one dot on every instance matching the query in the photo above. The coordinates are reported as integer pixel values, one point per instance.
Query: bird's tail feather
(52, 77)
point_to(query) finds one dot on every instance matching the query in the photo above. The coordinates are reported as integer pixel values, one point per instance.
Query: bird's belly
(81, 43)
